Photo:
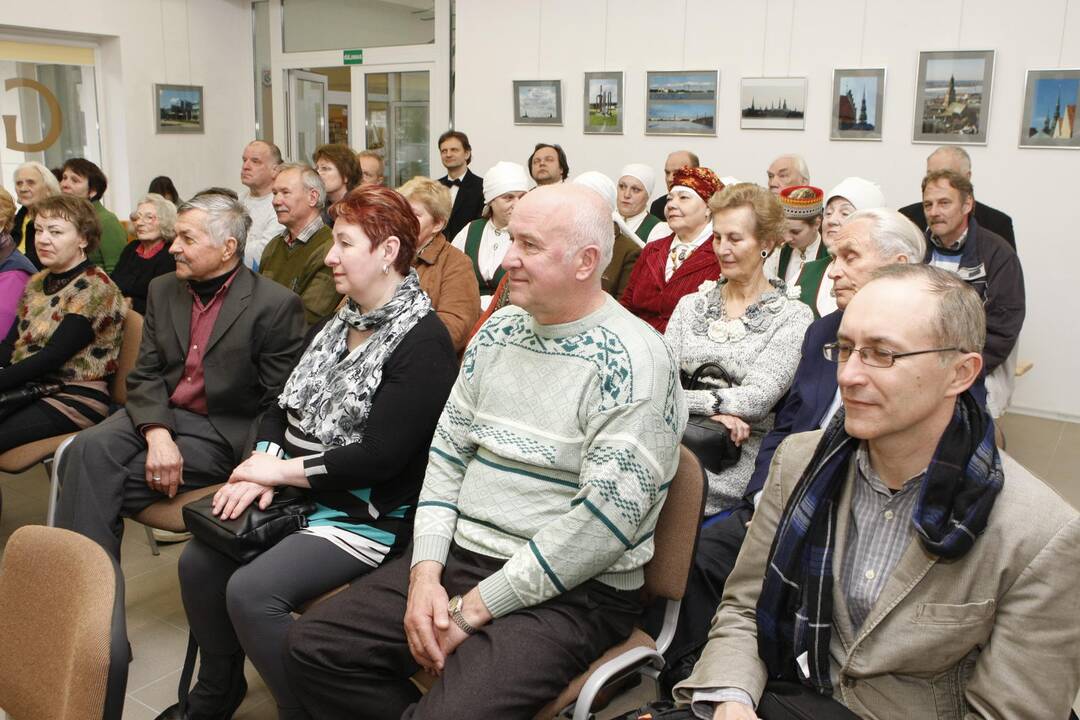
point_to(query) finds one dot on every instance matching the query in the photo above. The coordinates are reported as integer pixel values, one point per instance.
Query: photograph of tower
(603, 103)
(773, 103)
(952, 104)
(858, 102)
(1050, 102)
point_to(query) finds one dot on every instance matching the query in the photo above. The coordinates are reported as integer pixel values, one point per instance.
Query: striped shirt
(879, 533)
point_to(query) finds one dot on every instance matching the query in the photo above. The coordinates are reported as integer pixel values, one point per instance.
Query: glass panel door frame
(358, 110)
(434, 58)
(322, 133)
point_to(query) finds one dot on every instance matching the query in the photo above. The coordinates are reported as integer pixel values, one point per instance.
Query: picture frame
(179, 109)
(858, 104)
(952, 97)
(538, 102)
(772, 103)
(1051, 99)
(603, 103)
(681, 102)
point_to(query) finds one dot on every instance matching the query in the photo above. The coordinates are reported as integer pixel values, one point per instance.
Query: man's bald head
(950, 157)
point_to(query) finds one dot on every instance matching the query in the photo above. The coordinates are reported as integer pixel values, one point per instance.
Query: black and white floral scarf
(331, 388)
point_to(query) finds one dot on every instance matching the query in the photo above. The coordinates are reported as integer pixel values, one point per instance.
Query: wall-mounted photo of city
(772, 103)
(603, 103)
(953, 101)
(538, 102)
(1050, 103)
(858, 99)
(682, 103)
(179, 108)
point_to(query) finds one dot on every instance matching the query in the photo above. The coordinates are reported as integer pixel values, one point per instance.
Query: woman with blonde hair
(748, 324)
(446, 274)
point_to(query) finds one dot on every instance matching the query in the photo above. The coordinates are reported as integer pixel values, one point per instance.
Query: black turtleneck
(206, 289)
(72, 334)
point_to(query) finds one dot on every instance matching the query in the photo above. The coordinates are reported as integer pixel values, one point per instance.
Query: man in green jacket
(295, 257)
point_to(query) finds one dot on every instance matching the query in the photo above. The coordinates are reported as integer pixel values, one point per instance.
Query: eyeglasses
(871, 356)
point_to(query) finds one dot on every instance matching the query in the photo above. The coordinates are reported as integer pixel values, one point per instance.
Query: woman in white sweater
(748, 324)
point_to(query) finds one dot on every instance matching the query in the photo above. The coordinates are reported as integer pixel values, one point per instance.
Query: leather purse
(705, 437)
(255, 531)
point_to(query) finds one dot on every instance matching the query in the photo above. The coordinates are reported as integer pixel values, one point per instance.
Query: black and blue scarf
(795, 609)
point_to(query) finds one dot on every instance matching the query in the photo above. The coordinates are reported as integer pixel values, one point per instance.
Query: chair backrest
(129, 353)
(675, 540)
(63, 646)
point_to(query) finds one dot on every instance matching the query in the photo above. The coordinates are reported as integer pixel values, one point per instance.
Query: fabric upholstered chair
(666, 575)
(63, 640)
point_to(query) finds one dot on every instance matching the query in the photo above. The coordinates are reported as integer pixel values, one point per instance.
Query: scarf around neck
(331, 388)
(795, 609)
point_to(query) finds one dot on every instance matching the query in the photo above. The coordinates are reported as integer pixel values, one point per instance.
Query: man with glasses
(892, 567)
(868, 240)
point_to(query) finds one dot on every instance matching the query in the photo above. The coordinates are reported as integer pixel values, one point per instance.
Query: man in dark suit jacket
(218, 345)
(466, 188)
(870, 239)
(952, 157)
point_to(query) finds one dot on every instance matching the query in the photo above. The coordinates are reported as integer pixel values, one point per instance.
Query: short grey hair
(800, 165)
(957, 152)
(590, 223)
(959, 320)
(47, 178)
(310, 179)
(166, 213)
(226, 218)
(892, 233)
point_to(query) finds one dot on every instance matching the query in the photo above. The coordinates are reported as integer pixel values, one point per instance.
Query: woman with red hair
(351, 429)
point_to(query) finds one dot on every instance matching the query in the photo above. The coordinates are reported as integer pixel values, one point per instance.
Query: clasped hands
(431, 634)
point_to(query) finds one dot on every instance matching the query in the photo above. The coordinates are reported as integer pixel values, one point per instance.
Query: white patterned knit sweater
(554, 452)
(760, 352)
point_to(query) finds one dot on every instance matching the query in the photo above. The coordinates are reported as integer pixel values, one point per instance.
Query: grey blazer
(255, 343)
(995, 634)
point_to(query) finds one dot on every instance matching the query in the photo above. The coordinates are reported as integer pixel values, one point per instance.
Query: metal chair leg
(150, 539)
(52, 466)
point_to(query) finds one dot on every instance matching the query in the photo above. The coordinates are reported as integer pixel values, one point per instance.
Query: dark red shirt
(190, 392)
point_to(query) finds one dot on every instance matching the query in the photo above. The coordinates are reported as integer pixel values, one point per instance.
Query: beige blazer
(995, 634)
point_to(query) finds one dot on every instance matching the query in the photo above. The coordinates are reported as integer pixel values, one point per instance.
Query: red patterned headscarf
(701, 180)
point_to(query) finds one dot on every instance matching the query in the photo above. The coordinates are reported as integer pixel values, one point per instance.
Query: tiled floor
(158, 629)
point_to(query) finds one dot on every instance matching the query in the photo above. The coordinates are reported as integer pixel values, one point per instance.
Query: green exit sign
(354, 57)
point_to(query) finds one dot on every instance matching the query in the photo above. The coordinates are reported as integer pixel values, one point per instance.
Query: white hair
(225, 217)
(47, 178)
(800, 165)
(892, 233)
(959, 154)
(166, 213)
(590, 224)
(309, 178)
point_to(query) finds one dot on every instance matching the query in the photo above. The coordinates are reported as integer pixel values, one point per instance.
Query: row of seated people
(746, 221)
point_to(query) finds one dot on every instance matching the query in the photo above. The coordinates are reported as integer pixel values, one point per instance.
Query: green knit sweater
(113, 239)
(554, 452)
(300, 268)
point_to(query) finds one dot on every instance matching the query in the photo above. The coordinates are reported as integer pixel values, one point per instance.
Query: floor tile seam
(130, 697)
(154, 682)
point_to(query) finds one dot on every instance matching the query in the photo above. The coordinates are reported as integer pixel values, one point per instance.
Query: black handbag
(706, 438)
(255, 531)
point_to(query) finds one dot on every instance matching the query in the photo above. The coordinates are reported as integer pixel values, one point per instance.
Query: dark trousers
(718, 548)
(784, 700)
(103, 473)
(232, 607)
(348, 657)
(36, 421)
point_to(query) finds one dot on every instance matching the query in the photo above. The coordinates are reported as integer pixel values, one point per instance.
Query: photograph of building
(681, 103)
(773, 103)
(1050, 109)
(603, 103)
(954, 96)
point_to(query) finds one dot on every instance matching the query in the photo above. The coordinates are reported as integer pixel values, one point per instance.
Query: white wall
(142, 42)
(498, 42)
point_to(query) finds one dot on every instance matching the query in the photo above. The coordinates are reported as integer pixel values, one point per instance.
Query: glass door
(308, 112)
(397, 121)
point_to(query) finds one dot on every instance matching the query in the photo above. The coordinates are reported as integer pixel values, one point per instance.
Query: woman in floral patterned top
(66, 333)
(749, 325)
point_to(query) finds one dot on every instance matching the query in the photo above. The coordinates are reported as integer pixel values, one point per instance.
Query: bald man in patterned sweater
(546, 475)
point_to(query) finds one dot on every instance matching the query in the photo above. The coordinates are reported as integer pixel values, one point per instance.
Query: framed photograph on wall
(538, 102)
(772, 103)
(681, 103)
(952, 97)
(857, 102)
(603, 103)
(178, 108)
(1050, 101)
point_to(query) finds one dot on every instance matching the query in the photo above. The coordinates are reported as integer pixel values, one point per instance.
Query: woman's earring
(385, 269)
(764, 254)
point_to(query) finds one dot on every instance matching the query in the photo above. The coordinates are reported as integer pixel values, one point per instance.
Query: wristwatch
(454, 608)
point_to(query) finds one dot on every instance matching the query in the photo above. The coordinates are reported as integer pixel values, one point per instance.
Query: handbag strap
(695, 378)
(187, 672)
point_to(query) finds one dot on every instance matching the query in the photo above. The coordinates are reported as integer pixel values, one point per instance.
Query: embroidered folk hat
(700, 180)
(801, 202)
